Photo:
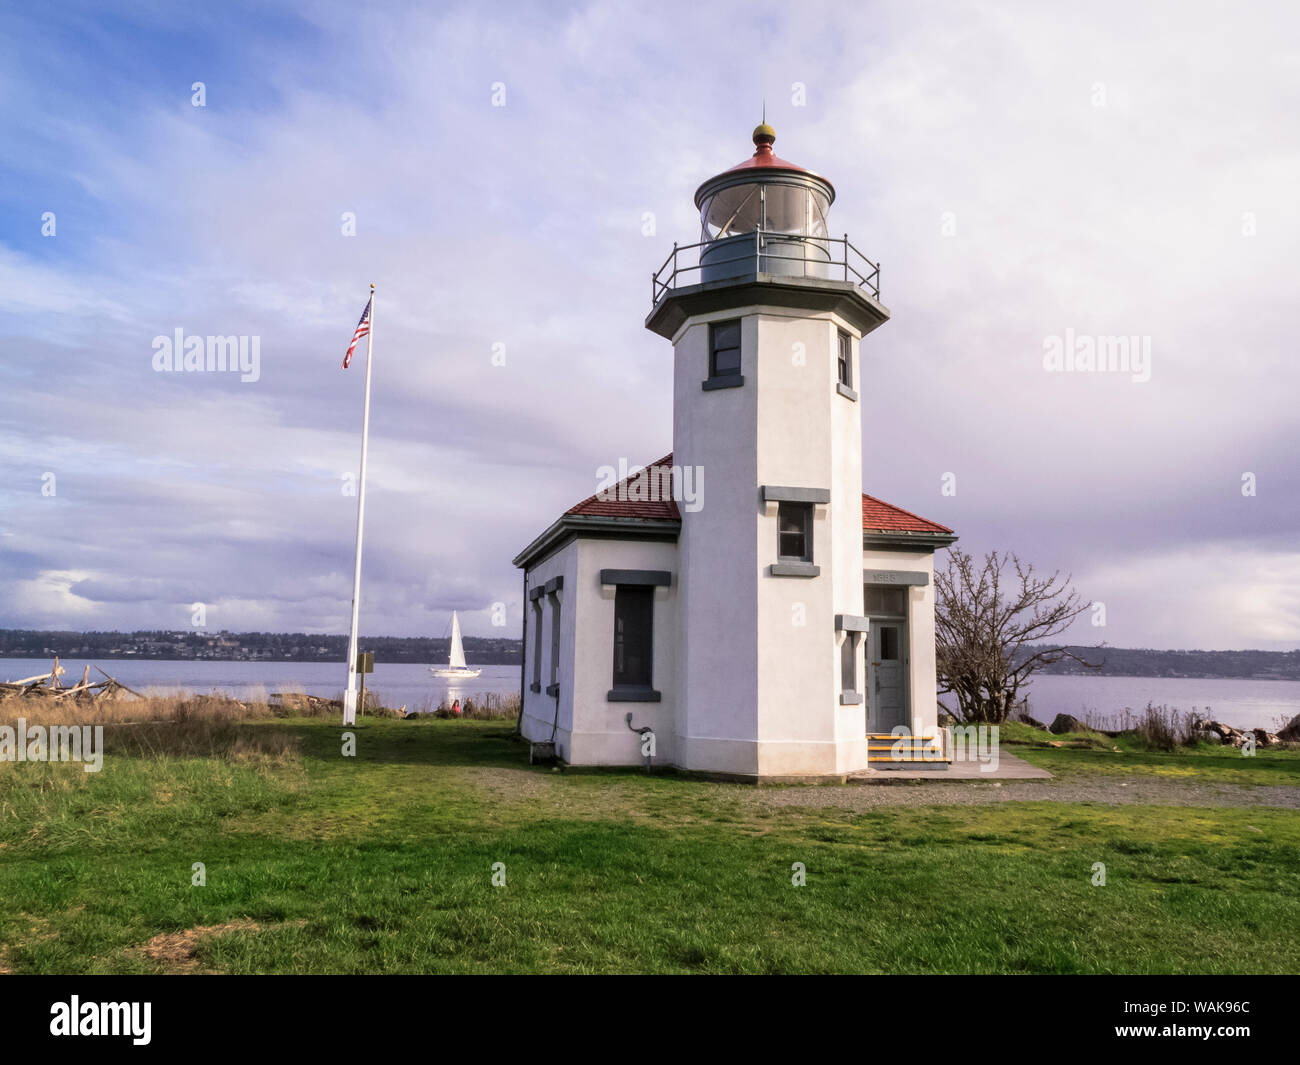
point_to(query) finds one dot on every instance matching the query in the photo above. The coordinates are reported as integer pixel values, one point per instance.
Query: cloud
(970, 155)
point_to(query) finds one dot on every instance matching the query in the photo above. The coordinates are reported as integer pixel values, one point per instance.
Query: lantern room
(765, 213)
(765, 222)
(764, 193)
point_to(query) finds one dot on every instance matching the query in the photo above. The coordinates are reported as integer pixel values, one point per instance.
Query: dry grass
(157, 726)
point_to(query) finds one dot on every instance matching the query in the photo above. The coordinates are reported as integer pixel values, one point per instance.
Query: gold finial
(764, 134)
(372, 286)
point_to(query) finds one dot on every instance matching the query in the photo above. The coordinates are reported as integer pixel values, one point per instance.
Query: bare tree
(982, 629)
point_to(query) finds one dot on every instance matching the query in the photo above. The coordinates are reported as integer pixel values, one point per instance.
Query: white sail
(457, 648)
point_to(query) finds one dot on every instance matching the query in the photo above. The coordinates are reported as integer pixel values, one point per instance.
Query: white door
(887, 675)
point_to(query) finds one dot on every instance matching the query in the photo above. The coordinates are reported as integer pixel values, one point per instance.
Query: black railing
(728, 257)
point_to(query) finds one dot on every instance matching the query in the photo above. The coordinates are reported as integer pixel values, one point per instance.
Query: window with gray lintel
(724, 356)
(553, 587)
(844, 366)
(794, 528)
(634, 607)
(854, 630)
(536, 596)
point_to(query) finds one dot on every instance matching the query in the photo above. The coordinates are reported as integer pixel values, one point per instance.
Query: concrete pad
(1009, 768)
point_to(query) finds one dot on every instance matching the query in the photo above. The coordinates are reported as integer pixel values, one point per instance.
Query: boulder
(1067, 723)
(1291, 732)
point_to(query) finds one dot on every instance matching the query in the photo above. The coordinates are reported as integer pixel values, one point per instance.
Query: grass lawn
(384, 862)
(1122, 756)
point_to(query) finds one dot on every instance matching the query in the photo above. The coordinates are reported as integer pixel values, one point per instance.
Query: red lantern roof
(764, 138)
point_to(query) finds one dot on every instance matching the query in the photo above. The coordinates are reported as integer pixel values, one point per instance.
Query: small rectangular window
(537, 644)
(794, 532)
(724, 349)
(846, 360)
(888, 643)
(555, 638)
(849, 663)
(633, 635)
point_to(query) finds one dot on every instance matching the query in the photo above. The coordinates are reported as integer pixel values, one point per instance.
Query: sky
(1027, 175)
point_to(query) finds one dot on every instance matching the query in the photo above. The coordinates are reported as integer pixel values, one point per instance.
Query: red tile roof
(616, 503)
(877, 515)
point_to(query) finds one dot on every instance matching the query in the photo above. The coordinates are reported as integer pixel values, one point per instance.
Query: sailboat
(455, 668)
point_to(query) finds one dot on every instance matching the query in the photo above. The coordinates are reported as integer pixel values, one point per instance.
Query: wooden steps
(885, 751)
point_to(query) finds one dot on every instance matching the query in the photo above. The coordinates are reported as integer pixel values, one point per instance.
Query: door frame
(903, 623)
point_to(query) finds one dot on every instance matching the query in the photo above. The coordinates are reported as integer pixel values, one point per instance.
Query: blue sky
(1114, 169)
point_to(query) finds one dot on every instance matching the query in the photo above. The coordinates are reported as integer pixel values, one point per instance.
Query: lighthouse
(779, 622)
(767, 316)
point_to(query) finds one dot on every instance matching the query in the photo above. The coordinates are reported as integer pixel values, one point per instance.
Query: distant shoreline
(411, 659)
(204, 645)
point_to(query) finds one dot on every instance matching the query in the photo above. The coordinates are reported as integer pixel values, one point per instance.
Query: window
(887, 600)
(889, 643)
(849, 663)
(724, 349)
(537, 644)
(846, 360)
(794, 532)
(633, 635)
(555, 644)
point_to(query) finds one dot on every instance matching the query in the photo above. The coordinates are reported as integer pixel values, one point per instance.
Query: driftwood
(117, 683)
(48, 686)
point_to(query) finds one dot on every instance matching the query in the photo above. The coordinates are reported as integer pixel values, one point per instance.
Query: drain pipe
(643, 732)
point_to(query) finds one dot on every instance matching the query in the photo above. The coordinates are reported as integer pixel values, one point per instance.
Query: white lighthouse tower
(766, 315)
(772, 621)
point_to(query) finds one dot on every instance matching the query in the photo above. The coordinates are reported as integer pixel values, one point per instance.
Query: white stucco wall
(759, 692)
(600, 732)
(717, 643)
(809, 436)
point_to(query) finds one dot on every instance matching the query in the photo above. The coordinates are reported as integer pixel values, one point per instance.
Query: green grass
(1128, 755)
(383, 863)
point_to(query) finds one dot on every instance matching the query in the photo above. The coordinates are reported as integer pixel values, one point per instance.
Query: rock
(1067, 723)
(1291, 733)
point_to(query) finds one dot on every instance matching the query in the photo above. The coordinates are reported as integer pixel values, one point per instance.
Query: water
(1242, 703)
(1266, 704)
(394, 684)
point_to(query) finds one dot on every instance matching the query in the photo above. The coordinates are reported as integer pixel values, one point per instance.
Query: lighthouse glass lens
(730, 211)
(795, 209)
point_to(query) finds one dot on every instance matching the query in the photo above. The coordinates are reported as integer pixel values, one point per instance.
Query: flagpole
(350, 696)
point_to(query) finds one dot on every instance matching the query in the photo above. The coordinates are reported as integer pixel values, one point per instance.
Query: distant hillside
(246, 646)
(1142, 662)
(301, 647)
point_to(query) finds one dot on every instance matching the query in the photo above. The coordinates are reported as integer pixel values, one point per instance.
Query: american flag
(363, 327)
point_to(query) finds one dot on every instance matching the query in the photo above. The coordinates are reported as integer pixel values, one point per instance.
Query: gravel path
(1105, 790)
